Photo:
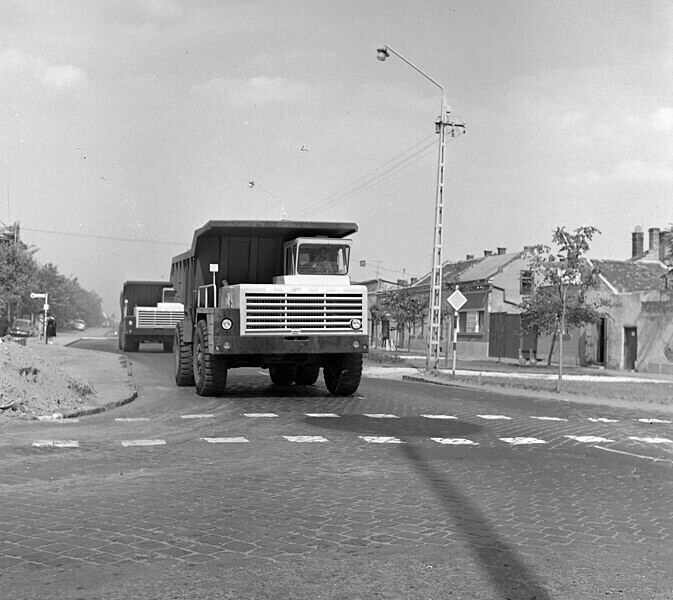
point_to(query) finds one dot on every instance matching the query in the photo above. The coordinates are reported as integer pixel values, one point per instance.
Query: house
(636, 332)
(489, 322)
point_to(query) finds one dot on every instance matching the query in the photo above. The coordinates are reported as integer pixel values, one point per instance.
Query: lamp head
(382, 53)
(251, 184)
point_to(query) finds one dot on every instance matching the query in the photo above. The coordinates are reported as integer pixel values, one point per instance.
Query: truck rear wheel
(282, 374)
(343, 374)
(210, 373)
(307, 375)
(183, 366)
(129, 344)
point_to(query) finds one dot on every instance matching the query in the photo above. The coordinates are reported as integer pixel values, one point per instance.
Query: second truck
(269, 294)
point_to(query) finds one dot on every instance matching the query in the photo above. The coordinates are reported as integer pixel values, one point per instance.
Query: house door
(630, 348)
(600, 342)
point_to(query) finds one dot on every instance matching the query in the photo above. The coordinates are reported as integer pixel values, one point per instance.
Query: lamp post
(252, 183)
(441, 124)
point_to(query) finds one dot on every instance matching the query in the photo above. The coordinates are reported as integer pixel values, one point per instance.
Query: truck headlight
(226, 324)
(356, 324)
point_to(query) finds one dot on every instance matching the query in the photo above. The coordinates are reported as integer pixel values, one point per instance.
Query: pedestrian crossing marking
(439, 416)
(651, 440)
(549, 418)
(455, 441)
(322, 415)
(375, 439)
(204, 416)
(589, 439)
(381, 416)
(130, 443)
(603, 420)
(518, 441)
(131, 419)
(305, 438)
(56, 444)
(655, 421)
(260, 415)
(495, 417)
(225, 440)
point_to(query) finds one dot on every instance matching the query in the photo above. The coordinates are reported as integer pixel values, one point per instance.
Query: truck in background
(274, 295)
(150, 313)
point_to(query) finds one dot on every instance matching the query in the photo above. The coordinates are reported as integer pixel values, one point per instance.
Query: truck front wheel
(210, 373)
(182, 358)
(342, 375)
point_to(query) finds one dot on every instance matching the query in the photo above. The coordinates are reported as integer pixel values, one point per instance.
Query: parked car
(21, 328)
(79, 324)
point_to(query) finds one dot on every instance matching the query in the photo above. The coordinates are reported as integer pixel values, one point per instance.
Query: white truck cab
(315, 261)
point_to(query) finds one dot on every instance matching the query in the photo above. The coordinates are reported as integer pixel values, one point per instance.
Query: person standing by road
(51, 328)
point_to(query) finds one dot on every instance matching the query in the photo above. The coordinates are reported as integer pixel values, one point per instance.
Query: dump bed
(245, 251)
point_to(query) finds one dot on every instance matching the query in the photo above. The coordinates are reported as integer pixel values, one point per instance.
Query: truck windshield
(322, 259)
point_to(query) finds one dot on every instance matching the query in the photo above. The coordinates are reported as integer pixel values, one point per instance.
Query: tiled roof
(628, 277)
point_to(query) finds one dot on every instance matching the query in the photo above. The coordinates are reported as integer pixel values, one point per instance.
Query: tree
(405, 307)
(561, 281)
(17, 276)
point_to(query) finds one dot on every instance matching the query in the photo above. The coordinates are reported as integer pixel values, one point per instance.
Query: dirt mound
(31, 387)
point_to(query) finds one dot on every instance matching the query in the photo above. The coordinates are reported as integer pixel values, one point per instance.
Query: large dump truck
(270, 294)
(149, 312)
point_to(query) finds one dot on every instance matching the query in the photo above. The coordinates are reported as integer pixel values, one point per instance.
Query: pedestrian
(51, 328)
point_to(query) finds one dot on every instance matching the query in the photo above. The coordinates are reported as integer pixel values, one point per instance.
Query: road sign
(35, 295)
(456, 300)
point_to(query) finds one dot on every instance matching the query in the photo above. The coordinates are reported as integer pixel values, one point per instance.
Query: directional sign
(456, 300)
(34, 295)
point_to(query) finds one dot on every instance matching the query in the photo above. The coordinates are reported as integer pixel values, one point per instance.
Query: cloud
(64, 76)
(28, 69)
(640, 171)
(255, 91)
(662, 119)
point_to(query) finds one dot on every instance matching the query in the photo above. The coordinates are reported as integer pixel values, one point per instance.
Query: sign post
(456, 301)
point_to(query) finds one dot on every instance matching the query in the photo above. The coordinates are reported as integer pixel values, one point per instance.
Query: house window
(471, 321)
(526, 283)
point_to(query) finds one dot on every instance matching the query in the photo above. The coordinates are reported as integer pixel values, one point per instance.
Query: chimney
(665, 244)
(654, 243)
(414, 280)
(637, 242)
(469, 257)
(488, 252)
(502, 250)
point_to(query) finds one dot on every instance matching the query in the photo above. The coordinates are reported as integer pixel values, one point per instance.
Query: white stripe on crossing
(131, 419)
(129, 443)
(260, 415)
(455, 441)
(204, 416)
(655, 421)
(518, 441)
(549, 418)
(589, 439)
(381, 416)
(225, 440)
(56, 444)
(495, 417)
(603, 420)
(651, 440)
(305, 438)
(439, 416)
(375, 439)
(321, 415)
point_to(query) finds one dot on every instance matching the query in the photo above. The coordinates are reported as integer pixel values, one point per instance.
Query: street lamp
(442, 123)
(252, 183)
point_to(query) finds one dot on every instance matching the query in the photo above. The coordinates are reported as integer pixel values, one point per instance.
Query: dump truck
(149, 312)
(275, 295)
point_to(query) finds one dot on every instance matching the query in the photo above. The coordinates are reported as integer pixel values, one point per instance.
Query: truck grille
(153, 318)
(292, 312)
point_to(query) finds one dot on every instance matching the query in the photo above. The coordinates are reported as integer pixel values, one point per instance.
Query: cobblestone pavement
(407, 490)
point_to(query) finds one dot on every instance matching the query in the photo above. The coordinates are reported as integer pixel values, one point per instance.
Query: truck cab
(315, 260)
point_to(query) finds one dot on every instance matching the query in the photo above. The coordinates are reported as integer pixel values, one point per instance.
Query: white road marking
(495, 417)
(129, 443)
(549, 418)
(588, 438)
(374, 439)
(204, 416)
(651, 440)
(439, 416)
(260, 415)
(654, 421)
(603, 420)
(225, 440)
(305, 438)
(455, 441)
(131, 419)
(381, 416)
(56, 444)
(518, 441)
(56, 418)
(652, 458)
(321, 415)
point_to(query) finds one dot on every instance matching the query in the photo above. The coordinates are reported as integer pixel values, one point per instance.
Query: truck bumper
(315, 344)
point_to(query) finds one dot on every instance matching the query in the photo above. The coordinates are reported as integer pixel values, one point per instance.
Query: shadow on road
(509, 576)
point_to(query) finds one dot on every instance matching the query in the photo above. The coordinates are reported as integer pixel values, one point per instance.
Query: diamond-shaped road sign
(456, 300)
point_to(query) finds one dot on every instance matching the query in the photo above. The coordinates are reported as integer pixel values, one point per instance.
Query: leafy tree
(17, 275)
(406, 308)
(561, 281)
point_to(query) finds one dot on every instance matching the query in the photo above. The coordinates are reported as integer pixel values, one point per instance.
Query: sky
(128, 124)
